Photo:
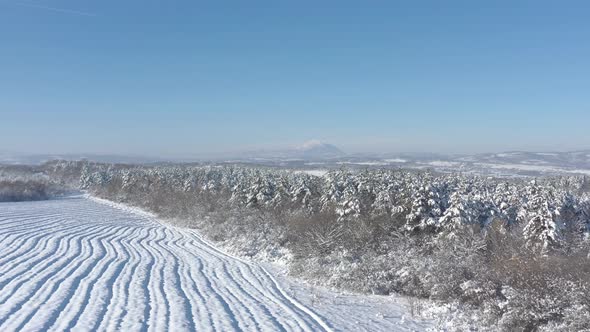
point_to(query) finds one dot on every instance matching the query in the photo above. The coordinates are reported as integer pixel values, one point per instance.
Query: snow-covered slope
(310, 150)
(316, 149)
(79, 264)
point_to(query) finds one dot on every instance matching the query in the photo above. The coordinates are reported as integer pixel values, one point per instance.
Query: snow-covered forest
(21, 183)
(512, 254)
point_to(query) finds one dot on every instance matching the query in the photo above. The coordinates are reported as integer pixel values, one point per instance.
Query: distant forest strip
(24, 183)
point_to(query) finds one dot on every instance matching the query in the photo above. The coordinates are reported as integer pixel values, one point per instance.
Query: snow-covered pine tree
(333, 190)
(456, 216)
(383, 204)
(350, 204)
(542, 230)
(302, 192)
(585, 214)
(425, 210)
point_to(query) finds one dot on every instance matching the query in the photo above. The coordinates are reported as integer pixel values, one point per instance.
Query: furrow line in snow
(84, 264)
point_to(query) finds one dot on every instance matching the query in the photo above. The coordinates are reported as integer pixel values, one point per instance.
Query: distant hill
(310, 150)
(574, 159)
(36, 159)
(318, 150)
(317, 154)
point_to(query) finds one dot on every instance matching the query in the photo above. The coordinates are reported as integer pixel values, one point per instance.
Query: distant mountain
(318, 150)
(513, 163)
(310, 150)
(36, 159)
(574, 159)
(315, 154)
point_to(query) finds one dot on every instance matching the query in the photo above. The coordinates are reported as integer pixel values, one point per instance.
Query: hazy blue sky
(152, 77)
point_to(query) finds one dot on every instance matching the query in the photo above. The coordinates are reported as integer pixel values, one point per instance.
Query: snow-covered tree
(542, 230)
(425, 210)
(456, 216)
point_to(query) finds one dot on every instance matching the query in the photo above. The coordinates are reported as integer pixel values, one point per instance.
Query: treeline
(25, 183)
(512, 254)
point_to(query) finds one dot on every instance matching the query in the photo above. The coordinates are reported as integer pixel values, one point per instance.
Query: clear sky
(193, 77)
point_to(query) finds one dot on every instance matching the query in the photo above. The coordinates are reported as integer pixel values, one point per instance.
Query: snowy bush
(24, 184)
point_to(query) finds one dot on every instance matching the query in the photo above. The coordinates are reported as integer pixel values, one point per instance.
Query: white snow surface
(536, 168)
(82, 264)
(443, 163)
(363, 163)
(314, 172)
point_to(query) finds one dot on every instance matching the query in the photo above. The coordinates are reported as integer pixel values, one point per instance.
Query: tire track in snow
(47, 291)
(293, 304)
(58, 258)
(78, 265)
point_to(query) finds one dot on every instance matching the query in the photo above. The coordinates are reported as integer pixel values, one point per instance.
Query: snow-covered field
(80, 264)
